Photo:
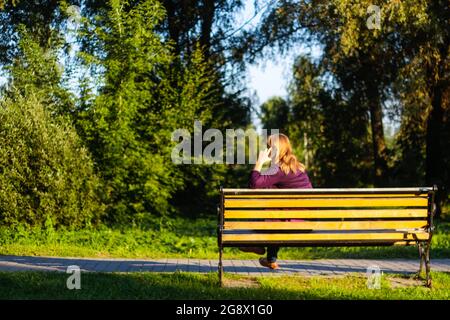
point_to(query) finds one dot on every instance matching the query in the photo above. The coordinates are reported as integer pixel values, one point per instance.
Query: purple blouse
(274, 178)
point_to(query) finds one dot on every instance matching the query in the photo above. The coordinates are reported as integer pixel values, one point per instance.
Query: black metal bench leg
(220, 267)
(421, 256)
(424, 252)
(427, 265)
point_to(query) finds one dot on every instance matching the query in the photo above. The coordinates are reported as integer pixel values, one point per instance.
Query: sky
(267, 78)
(2, 78)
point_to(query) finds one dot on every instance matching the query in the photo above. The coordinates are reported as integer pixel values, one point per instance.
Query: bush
(46, 176)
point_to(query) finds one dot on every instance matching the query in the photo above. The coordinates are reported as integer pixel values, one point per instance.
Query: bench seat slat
(326, 243)
(315, 225)
(308, 203)
(255, 237)
(332, 214)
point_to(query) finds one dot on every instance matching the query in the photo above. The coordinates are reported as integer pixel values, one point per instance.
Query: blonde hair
(287, 161)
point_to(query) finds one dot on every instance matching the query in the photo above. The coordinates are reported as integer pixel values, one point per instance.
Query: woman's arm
(263, 181)
(262, 158)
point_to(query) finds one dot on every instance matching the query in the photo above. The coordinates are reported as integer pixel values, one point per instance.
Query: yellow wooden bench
(331, 217)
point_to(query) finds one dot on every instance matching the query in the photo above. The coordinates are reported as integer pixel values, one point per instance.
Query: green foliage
(274, 113)
(36, 70)
(356, 37)
(147, 94)
(46, 175)
(408, 159)
(150, 67)
(328, 133)
(137, 85)
(400, 67)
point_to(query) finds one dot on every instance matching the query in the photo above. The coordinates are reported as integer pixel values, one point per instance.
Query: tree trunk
(207, 16)
(173, 25)
(378, 142)
(434, 164)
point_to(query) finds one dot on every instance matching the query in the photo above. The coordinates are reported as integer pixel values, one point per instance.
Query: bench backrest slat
(326, 202)
(318, 214)
(326, 225)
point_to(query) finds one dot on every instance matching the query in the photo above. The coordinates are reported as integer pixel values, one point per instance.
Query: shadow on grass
(188, 286)
(40, 285)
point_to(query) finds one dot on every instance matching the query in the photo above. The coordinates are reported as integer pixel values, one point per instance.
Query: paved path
(245, 267)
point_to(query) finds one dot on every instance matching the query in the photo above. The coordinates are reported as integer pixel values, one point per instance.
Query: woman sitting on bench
(285, 172)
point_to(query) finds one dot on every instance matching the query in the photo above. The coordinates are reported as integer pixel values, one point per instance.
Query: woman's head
(282, 154)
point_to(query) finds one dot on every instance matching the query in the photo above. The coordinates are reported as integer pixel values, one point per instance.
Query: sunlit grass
(181, 238)
(179, 285)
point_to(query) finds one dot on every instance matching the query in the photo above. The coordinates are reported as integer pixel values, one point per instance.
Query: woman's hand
(264, 156)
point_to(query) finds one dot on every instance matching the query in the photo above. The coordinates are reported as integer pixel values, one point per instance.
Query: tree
(274, 114)
(416, 36)
(327, 130)
(367, 62)
(146, 95)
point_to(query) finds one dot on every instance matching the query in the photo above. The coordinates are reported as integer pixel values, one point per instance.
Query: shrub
(46, 175)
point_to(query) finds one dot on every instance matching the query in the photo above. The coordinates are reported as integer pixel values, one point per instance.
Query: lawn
(182, 238)
(179, 238)
(187, 286)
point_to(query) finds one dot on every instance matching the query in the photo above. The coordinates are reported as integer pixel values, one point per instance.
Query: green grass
(198, 240)
(187, 286)
(180, 238)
